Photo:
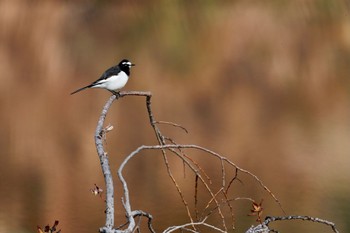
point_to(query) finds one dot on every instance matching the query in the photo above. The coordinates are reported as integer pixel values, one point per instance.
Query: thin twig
(173, 124)
(196, 197)
(233, 179)
(184, 227)
(184, 158)
(231, 209)
(223, 174)
(191, 160)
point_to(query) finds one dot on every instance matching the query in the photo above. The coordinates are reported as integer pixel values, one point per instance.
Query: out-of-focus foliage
(264, 82)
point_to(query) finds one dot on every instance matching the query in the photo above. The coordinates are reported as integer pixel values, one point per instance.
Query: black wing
(110, 72)
(114, 70)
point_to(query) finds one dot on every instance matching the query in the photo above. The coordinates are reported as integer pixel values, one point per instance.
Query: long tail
(83, 88)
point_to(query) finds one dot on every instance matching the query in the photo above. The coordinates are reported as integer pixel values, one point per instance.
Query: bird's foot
(116, 93)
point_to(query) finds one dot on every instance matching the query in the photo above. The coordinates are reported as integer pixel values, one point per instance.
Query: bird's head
(125, 65)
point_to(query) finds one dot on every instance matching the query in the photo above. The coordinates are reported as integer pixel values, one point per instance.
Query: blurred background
(265, 83)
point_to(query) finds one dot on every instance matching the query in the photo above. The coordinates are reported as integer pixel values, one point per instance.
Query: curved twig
(263, 227)
(270, 219)
(171, 123)
(184, 227)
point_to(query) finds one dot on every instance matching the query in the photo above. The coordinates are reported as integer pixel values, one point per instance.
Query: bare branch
(263, 227)
(99, 137)
(270, 219)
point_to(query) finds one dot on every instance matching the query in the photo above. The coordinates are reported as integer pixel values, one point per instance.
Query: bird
(113, 79)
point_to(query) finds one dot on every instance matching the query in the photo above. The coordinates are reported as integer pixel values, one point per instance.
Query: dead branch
(270, 219)
(174, 149)
(99, 137)
(263, 227)
(201, 177)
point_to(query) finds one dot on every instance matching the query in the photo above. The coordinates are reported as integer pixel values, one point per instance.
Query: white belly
(113, 83)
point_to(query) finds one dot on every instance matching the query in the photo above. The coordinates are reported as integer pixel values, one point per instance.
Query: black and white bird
(113, 79)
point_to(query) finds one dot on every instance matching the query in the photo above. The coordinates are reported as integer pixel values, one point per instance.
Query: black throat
(126, 69)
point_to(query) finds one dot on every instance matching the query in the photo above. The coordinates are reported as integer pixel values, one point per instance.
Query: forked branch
(218, 196)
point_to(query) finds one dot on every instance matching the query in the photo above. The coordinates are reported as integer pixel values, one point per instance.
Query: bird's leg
(116, 93)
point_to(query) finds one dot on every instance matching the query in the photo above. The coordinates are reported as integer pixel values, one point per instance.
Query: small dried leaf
(56, 223)
(47, 228)
(96, 190)
(109, 128)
